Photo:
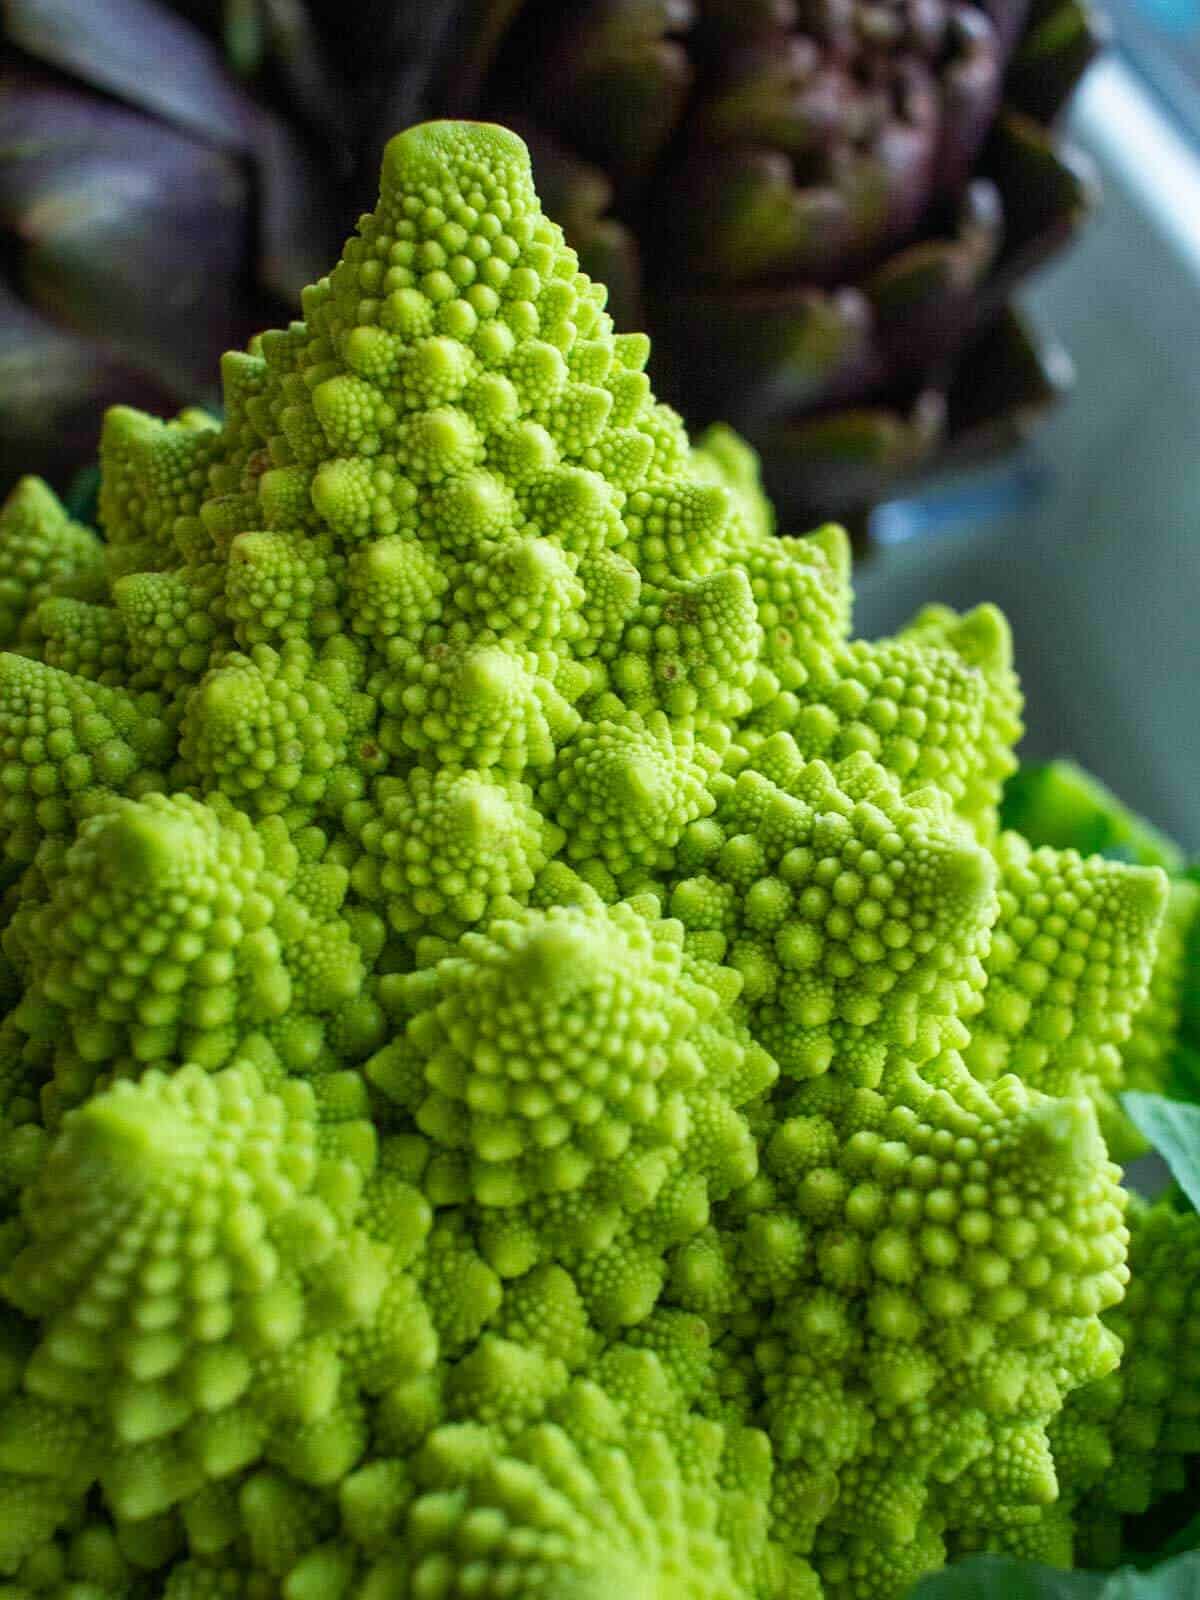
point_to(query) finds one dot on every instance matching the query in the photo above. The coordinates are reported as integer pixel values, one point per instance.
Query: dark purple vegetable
(819, 208)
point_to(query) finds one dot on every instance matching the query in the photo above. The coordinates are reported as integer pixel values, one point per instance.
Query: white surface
(1101, 579)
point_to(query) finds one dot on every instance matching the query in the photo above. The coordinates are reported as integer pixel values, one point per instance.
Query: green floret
(65, 745)
(857, 918)
(922, 1331)
(527, 589)
(205, 1299)
(937, 705)
(566, 1063)
(280, 731)
(1149, 1409)
(443, 850)
(1126, 1440)
(85, 1562)
(171, 929)
(692, 650)
(624, 791)
(475, 705)
(26, 1067)
(394, 588)
(89, 641)
(554, 1519)
(278, 587)
(1059, 804)
(1068, 968)
(802, 592)
(151, 473)
(980, 639)
(617, 1487)
(175, 622)
(42, 553)
(528, 1065)
(724, 457)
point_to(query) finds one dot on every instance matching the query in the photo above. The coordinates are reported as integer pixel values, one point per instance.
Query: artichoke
(131, 158)
(819, 208)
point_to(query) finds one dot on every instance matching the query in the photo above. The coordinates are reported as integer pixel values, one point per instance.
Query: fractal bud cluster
(530, 1066)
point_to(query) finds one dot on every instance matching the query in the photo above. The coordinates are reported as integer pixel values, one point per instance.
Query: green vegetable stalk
(530, 1067)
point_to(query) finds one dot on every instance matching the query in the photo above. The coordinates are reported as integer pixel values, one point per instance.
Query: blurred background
(1089, 538)
(819, 209)
(866, 232)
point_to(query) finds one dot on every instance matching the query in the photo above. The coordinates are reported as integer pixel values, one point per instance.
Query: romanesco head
(528, 1065)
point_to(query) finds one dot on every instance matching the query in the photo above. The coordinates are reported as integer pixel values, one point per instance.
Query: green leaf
(1173, 1128)
(1059, 804)
(1003, 1578)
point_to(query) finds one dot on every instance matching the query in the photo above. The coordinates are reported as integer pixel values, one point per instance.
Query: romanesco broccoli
(529, 1066)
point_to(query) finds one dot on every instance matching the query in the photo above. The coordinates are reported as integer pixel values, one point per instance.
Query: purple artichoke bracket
(819, 208)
